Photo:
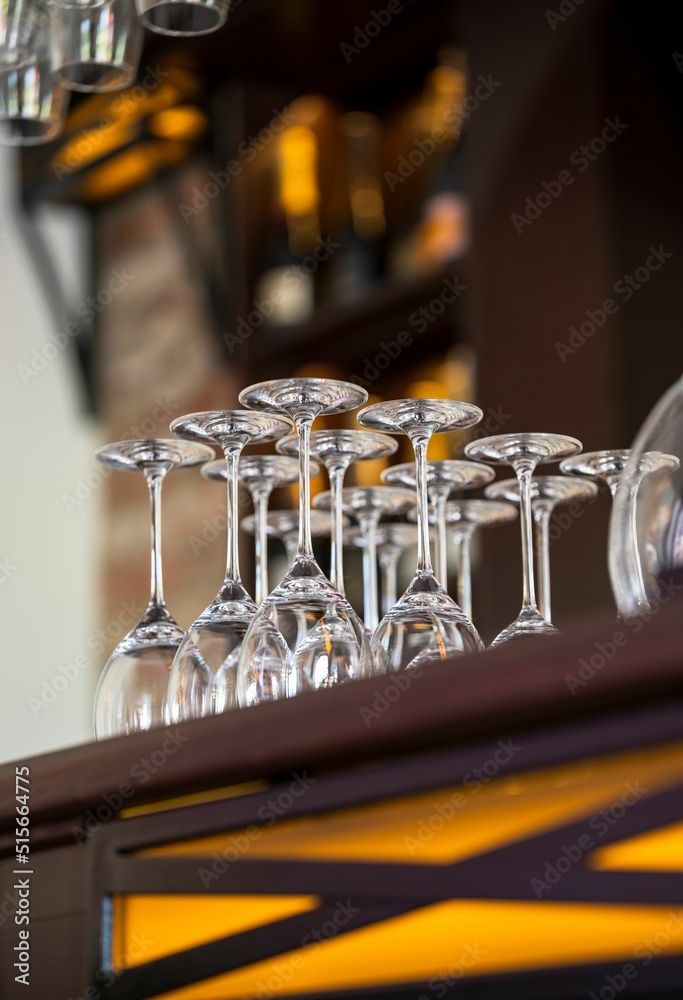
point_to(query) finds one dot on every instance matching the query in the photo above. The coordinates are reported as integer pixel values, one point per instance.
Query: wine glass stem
(304, 422)
(260, 498)
(524, 473)
(424, 558)
(154, 480)
(463, 538)
(368, 525)
(232, 456)
(440, 563)
(388, 562)
(336, 474)
(542, 509)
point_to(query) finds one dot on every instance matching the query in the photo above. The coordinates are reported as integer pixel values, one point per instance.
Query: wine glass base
(425, 625)
(288, 395)
(304, 637)
(527, 625)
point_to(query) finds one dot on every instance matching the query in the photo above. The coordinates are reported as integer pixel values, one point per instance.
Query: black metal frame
(382, 891)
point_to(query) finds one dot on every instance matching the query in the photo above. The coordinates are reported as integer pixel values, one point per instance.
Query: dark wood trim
(453, 703)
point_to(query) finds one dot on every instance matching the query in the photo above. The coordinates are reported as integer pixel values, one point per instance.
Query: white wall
(47, 553)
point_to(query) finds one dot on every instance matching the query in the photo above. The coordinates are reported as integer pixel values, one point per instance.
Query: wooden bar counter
(506, 826)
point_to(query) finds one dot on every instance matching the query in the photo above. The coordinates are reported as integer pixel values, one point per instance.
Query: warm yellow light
(93, 144)
(428, 389)
(308, 109)
(185, 121)
(298, 151)
(126, 170)
(656, 851)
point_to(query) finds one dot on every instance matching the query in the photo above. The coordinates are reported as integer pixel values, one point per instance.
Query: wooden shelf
(351, 336)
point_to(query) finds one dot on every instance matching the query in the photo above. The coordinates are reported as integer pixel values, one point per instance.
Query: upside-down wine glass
(277, 660)
(94, 46)
(465, 517)
(547, 492)
(204, 670)
(524, 452)
(337, 449)
(609, 466)
(131, 693)
(426, 623)
(368, 505)
(443, 477)
(260, 474)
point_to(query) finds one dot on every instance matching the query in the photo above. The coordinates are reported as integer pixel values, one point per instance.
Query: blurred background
(429, 198)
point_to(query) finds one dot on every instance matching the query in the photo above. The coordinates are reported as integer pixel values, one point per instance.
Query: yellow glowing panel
(658, 851)
(453, 939)
(149, 927)
(450, 824)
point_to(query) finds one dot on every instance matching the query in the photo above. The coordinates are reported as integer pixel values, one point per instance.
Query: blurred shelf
(351, 336)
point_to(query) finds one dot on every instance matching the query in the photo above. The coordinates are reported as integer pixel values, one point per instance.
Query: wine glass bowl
(132, 689)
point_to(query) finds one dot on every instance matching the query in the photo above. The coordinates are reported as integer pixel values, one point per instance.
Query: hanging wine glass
(131, 693)
(368, 505)
(277, 660)
(425, 624)
(547, 492)
(32, 106)
(610, 466)
(183, 17)
(443, 478)
(202, 678)
(524, 452)
(95, 46)
(261, 474)
(337, 449)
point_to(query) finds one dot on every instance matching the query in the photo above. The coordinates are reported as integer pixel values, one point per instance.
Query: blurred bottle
(435, 230)
(286, 289)
(357, 264)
